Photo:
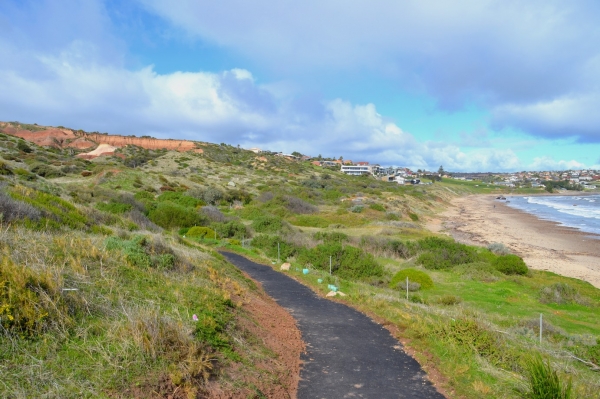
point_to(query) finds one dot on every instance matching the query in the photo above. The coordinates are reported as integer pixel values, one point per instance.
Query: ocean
(579, 212)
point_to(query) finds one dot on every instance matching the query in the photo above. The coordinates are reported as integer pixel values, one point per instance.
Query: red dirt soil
(67, 138)
(278, 331)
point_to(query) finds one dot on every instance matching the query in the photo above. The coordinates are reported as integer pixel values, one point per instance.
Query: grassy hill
(106, 262)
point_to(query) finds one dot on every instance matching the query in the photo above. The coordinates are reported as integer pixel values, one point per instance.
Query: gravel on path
(348, 355)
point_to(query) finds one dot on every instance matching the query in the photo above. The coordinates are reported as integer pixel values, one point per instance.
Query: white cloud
(511, 55)
(548, 163)
(220, 107)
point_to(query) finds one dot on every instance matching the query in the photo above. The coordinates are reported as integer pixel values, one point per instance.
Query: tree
(441, 171)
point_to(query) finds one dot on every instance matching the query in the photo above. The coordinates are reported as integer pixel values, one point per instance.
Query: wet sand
(544, 245)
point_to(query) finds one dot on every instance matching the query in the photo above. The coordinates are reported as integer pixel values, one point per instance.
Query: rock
(341, 293)
(331, 293)
(286, 266)
(231, 184)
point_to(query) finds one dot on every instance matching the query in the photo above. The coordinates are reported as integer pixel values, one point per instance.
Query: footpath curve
(347, 354)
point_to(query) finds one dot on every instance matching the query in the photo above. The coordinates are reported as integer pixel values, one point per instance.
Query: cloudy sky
(473, 85)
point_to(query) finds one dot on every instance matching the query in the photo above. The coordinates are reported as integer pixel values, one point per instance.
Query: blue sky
(476, 85)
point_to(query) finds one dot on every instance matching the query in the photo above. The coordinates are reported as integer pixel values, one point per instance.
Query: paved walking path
(347, 354)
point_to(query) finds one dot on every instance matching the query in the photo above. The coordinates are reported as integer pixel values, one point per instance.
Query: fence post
(541, 326)
(330, 265)
(407, 288)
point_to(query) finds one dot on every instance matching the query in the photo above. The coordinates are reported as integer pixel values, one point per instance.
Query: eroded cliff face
(67, 138)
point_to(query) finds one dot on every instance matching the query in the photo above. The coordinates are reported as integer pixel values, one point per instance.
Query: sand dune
(544, 245)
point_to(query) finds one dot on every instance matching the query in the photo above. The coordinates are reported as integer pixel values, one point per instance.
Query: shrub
(46, 171)
(357, 208)
(22, 146)
(413, 216)
(444, 254)
(309, 221)
(142, 220)
(377, 207)
(498, 248)
(296, 205)
(201, 232)
(113, 207)
(56, 212)
(544, 382)
(213, 213)
(5, 170)
(328, 237)
(448, 300)
(510, 264)
(169, 215)
(232, 229)
(209, 195)
(25, 174)
(561, 293)
(12, 210)
(415, 276)
(267, 224)
(143, 252)
(347, 261)
(179, 199)
(479, 271)
(392, 216)
(31, 302)
(269, 245)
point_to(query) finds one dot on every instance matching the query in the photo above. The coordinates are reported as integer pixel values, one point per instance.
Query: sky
(471, 85)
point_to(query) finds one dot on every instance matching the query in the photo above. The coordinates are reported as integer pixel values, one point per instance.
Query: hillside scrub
(126, 318)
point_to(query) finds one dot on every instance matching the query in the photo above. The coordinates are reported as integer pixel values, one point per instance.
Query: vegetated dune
(67, 138)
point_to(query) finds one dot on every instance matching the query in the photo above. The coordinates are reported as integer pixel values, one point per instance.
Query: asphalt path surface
(348, 355)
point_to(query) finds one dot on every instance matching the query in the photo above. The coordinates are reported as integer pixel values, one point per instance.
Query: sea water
(579, 212)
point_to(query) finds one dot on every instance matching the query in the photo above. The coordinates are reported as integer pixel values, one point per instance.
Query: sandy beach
(544, 245)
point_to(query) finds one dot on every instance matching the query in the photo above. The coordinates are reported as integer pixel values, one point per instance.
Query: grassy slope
(492, 311)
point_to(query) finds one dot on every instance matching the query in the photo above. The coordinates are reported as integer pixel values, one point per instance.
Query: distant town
(585, 179)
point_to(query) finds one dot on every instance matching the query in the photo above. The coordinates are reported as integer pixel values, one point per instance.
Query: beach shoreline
(543, 244)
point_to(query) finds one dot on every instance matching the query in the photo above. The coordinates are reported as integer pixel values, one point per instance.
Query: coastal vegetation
(111, 284)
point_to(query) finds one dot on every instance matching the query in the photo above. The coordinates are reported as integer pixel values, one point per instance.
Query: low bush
(296, 205)
(201, 232)
(267, 224)
(22, 146)
(443, 254)
(413, 216)
(31, 302)
(414, 275)
(180, 199)
(213, 214)
(232, 229)
(269, 243)
(392, 216)
(510, 264)
(5, 170)
(561, 293)
(113, 207)
(347, 261)
(478, 271)
(357, 209)
(498, 248)
(309, 221)
(12, 210)
(55, 211)
(169, 215)
(328, 237)
(377, 207)
(143, 252)
(448, 300)
(46, 171)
